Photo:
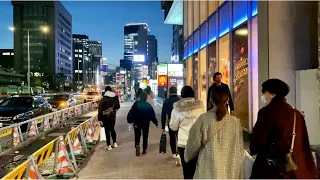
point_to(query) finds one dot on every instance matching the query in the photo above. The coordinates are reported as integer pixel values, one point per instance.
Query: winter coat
(167, 109)
(150, 99)
(108, 102)
(184, 114)
(141, 113)
(222, 157)
(272, 133)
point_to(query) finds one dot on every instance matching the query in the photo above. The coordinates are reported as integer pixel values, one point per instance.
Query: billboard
(175, 70)
(104, 67)
(162, 69)
(138, 58)
(163, 80)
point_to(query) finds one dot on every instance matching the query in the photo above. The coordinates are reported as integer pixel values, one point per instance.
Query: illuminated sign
(138, 58)
(175, 70)
(162, 80)
(162, 69)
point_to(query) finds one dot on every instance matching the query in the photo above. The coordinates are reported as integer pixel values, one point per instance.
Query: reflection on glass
(195, 74)
(212, 64)
(224, 60)
(240, 74)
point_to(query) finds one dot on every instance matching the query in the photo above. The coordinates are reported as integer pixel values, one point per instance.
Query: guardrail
(62, 162)
(17, 136)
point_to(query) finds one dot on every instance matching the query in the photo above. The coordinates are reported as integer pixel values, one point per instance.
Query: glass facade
(226, 42)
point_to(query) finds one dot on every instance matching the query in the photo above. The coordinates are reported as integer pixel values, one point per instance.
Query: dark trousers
(110, 130)
(137, 136)
(173, 141)
(188, 168)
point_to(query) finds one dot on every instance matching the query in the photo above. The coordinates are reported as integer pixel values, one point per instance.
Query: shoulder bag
(285, 163)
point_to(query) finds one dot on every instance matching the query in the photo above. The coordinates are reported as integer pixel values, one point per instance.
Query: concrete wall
(290, 35)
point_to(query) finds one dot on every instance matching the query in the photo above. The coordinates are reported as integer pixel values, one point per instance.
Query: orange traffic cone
(64, 164)
(33, 130)
(16, 137)
(77, 148)
(34, 172)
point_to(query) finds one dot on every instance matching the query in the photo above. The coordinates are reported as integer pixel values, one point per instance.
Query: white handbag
(248, 163)
(102, 134)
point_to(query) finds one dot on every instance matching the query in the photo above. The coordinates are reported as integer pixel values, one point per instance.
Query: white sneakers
(178, 160)
(109, 148)
(174, 156)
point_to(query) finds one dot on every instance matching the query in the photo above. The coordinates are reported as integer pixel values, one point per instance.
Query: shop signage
(175, 70)
(162, 69)
(162, 80)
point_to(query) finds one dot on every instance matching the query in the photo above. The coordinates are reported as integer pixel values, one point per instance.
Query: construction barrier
(11, 137)
(66, 151)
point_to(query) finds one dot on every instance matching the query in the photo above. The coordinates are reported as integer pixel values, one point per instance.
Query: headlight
(63, 104)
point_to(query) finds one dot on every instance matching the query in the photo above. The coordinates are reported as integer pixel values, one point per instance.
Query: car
(92, 96)
(61, 101)
(18, 108)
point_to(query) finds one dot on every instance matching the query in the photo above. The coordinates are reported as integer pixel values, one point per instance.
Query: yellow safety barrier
(40, 120)
(18, 173)
(73, 134)
(44, 153)
(5, 132)
(85, 126)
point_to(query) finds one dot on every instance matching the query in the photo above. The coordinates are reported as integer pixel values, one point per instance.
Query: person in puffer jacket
(184, 114)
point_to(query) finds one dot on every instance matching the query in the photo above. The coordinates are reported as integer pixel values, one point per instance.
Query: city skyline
(93, 25)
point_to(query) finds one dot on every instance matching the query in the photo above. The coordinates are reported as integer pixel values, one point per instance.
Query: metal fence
(18, 135)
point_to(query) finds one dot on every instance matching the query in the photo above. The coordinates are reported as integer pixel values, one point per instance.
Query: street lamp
(43, 29)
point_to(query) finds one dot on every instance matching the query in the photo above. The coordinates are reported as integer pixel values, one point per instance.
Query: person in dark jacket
(166, 114)
(140, 115)
(217, 79)
(138, 94)
(272, 136)
(108, 106)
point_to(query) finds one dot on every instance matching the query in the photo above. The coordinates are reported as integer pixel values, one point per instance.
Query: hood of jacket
(109, 94)
(189, 107)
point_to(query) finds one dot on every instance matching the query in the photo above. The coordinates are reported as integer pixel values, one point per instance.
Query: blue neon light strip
(202, 46)
(254, 12)
(254, 8)
(212, 39)
(240, 21)
(224, 32)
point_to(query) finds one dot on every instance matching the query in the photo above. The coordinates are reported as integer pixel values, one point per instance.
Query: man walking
(217, 82)
(108, 106)
(166, 114)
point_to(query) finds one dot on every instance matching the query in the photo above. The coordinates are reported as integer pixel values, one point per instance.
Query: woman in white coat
(184, 114)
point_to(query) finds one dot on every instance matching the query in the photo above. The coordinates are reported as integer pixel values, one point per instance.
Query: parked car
(92, 96)
(20, 108)
(61, 101)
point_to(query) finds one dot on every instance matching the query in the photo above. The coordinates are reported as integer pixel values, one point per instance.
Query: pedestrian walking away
(108, 106)
(140, 114)
(280, 138)
(150, 96)
(165, 119)
(216, 138)
(184, 114)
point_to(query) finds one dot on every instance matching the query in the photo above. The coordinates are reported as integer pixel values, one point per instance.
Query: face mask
(263, 99)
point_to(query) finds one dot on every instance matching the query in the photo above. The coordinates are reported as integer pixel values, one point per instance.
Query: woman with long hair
(184, 114)
(216, 138)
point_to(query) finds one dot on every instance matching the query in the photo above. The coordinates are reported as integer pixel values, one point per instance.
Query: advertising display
(144, 71)
(138, 58)
(240, 74)
(162, 69)
(175, 70)
(104, 67)
(224, 58)
(162, 80)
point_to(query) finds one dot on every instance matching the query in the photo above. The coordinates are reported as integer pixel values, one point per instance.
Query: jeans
(110, 130)
(188, 168)
(173, 140)
(137, 136)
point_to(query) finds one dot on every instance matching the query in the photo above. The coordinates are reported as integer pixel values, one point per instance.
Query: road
(123, 164)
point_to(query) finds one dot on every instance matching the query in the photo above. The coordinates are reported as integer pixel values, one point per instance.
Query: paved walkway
(121, 163)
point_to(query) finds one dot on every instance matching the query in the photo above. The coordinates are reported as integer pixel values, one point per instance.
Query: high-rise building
(81, 60)
(7, 58)
(152, 54)
(95, 55)
(51, 50)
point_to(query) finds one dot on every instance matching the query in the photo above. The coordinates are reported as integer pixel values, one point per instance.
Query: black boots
(137, 150)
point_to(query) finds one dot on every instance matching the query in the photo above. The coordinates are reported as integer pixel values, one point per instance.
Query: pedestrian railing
(62, 156)
(18, 135)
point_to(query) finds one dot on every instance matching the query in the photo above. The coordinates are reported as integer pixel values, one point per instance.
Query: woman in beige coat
(216, 138)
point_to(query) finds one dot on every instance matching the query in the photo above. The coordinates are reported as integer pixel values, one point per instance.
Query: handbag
(248, 164)
(285, 163)
(102, 134)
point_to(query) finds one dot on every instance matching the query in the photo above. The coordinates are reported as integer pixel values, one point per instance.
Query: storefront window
(240, 74)
(195, 69)
(203, 75)
(254, 70)
(189, 71)
(224, 58)
(212, 64)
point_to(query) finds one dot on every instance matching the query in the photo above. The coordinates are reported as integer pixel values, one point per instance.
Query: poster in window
(224, 58)
(240, 74)
(195, 74)
(212, 64)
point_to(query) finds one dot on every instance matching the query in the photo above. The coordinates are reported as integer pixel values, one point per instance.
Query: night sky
(104, 21)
